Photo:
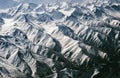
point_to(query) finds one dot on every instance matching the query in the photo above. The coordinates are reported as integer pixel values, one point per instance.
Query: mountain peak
(60, 40)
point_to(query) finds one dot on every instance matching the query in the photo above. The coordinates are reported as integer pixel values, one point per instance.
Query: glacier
(73, 39)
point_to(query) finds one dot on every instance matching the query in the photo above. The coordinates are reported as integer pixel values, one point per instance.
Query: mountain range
(61, 40)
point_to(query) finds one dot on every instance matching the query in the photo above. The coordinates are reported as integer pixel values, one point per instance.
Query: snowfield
(61, 40)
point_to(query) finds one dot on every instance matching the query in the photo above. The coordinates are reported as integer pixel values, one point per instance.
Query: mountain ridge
(61, 40)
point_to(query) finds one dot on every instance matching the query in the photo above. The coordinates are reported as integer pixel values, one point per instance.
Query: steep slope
(63, 40)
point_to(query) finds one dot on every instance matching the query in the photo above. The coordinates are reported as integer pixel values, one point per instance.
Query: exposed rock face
(62, 40)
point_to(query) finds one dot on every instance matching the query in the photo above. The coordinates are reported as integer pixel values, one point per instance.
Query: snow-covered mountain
(61, 40)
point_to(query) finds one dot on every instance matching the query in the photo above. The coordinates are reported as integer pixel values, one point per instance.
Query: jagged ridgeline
(63, 40)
